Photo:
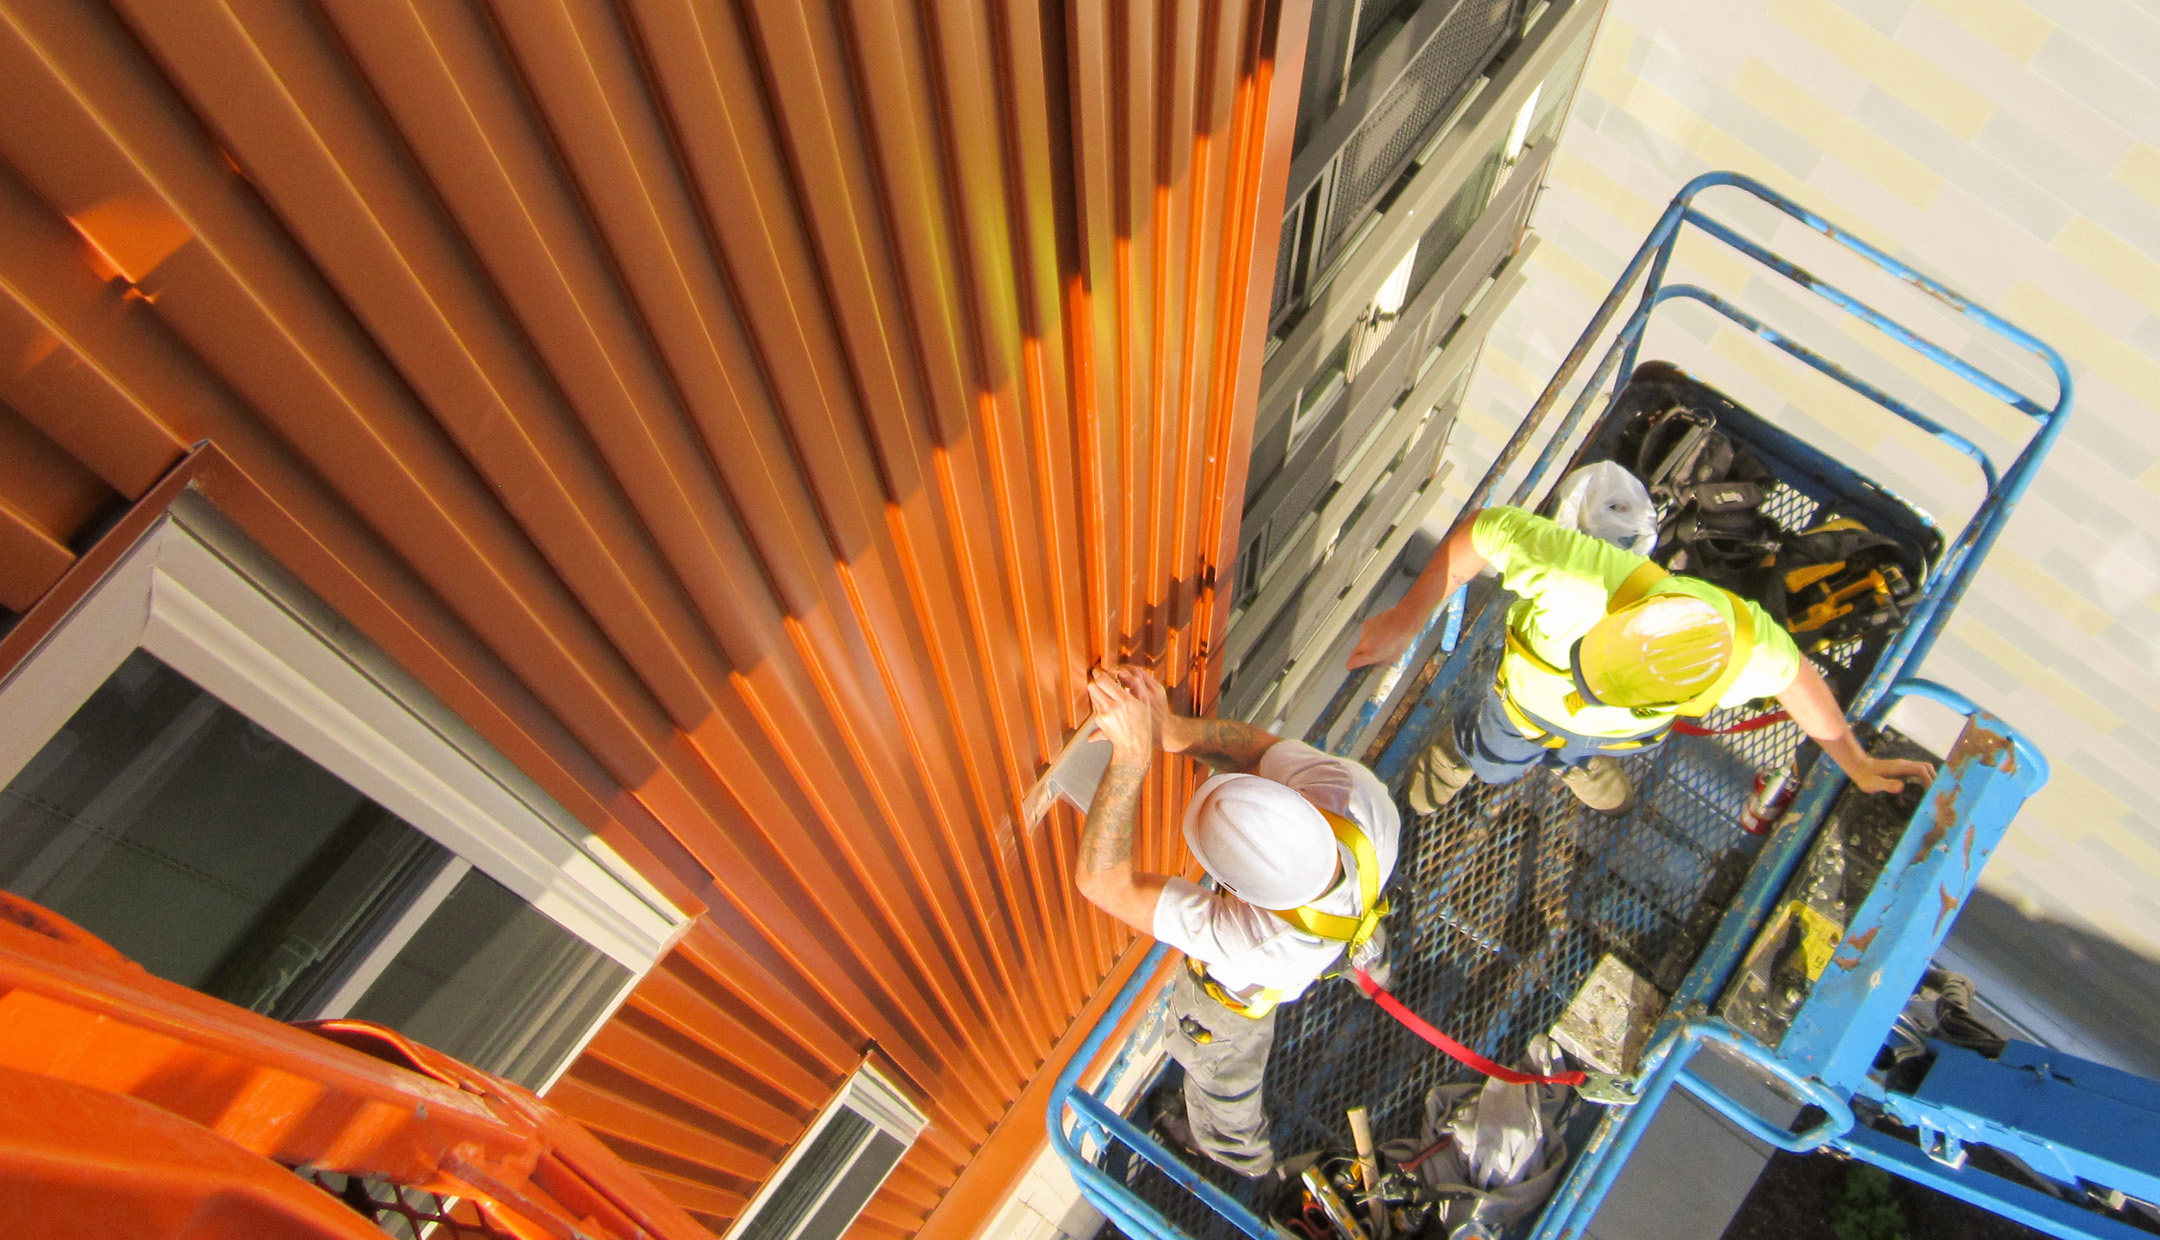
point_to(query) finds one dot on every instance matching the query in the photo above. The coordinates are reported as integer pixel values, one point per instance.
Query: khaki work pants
(1222, 1075)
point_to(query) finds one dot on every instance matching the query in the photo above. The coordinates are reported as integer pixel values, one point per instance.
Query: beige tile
(2108, 256)
(1787, 102)
(2056, 596)
(2080, 339)
(2008, 24)
(1898, 70)
(2008, 656)
(2085, 801)
(2140, 170)
(1824, 398)
(1614, 199)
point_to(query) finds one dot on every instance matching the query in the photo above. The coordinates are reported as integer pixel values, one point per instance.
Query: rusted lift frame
(1991, 772)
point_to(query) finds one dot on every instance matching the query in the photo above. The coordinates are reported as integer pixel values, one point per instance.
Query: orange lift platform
(132, 1106)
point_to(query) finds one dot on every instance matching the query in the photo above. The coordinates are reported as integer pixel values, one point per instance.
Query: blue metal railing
(1366, 694)
(1369, 692)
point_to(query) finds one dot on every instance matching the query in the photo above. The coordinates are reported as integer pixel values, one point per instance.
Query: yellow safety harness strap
(1334, 927)
(1255, 1008)
(1632, 590)
(1352, 932)
(1518, 646)
(1635, 587)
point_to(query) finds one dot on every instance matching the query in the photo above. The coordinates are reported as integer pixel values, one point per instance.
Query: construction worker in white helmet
(1300, 844)
(1604, 650)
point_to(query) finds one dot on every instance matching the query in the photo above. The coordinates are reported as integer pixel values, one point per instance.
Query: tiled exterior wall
(2013, 150)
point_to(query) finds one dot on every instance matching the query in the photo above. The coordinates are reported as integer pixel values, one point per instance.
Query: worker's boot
(1437, 774)
(1601, 785)
(1171, 1122)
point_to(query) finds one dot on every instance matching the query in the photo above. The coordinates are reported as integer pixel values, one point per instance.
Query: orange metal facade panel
(752, 416)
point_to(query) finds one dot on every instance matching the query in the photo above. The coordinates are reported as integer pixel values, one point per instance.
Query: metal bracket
(1609, 1089)
(1943, 1147)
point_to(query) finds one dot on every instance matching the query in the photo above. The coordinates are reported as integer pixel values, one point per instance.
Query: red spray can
(1774, 791)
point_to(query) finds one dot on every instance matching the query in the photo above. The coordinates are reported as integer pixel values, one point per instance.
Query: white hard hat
(1261, 840)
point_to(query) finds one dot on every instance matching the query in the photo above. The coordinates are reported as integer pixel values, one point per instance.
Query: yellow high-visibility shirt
(1564, 579)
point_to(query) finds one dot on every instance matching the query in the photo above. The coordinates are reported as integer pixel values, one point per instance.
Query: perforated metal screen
(406, 1213)
(1399, 124)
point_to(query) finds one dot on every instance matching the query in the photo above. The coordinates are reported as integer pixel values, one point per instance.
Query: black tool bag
(1708, 491)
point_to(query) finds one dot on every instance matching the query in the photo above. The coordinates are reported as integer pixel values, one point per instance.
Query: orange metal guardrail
(134, 1107)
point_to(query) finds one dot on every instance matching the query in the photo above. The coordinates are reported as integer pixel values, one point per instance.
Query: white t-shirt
(1249, 949)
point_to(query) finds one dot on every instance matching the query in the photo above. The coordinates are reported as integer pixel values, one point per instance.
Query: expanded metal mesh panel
(1286, 262)
(1373, 17)
(1506, 899)
(407, 1213)
(1503, 903)
(1400, 123)
(1455, 220)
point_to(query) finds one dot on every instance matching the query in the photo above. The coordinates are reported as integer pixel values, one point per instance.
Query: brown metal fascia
(1017, 1141)
(958, 497)
(865, 934)
(207, 469)
(831, 330)
(43, 615)
(250, 329)
(31, 559)
(274, 93)
(705, 1015)
(865, 597)
(728, 1105)
(53, 316)
(54, 493)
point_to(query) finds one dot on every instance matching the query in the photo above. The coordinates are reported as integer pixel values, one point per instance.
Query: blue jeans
(1501, 754)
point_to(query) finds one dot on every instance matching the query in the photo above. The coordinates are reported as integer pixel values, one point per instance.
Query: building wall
(2011, 148)
(1425, 131)
(753, 418)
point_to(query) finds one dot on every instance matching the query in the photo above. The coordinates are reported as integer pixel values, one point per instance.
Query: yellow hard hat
(1659, 651)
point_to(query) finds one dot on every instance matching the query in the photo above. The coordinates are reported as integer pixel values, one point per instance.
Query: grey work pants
(1222, 1075)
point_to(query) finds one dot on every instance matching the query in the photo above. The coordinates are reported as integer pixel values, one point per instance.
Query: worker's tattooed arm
(1106, 840)
(1223, 744)
(1132, 725)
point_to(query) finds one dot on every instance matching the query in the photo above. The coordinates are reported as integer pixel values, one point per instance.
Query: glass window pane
(854, 1190)
(826, 1159)
(218, 856)
(493, 981)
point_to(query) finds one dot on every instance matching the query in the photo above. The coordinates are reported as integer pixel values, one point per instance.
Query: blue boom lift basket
(1506, 898)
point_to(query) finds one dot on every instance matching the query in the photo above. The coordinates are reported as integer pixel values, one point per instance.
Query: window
(1320, 393)
(842, 1158)
(203, 766)
(1372, 327)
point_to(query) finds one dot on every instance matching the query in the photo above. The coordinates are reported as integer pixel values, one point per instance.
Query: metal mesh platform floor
(1503, 903)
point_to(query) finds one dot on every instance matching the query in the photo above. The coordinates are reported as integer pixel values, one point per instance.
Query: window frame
(193, 592)
(869, 1094)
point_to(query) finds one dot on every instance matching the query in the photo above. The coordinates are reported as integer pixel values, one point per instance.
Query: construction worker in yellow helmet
(1604, 650)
